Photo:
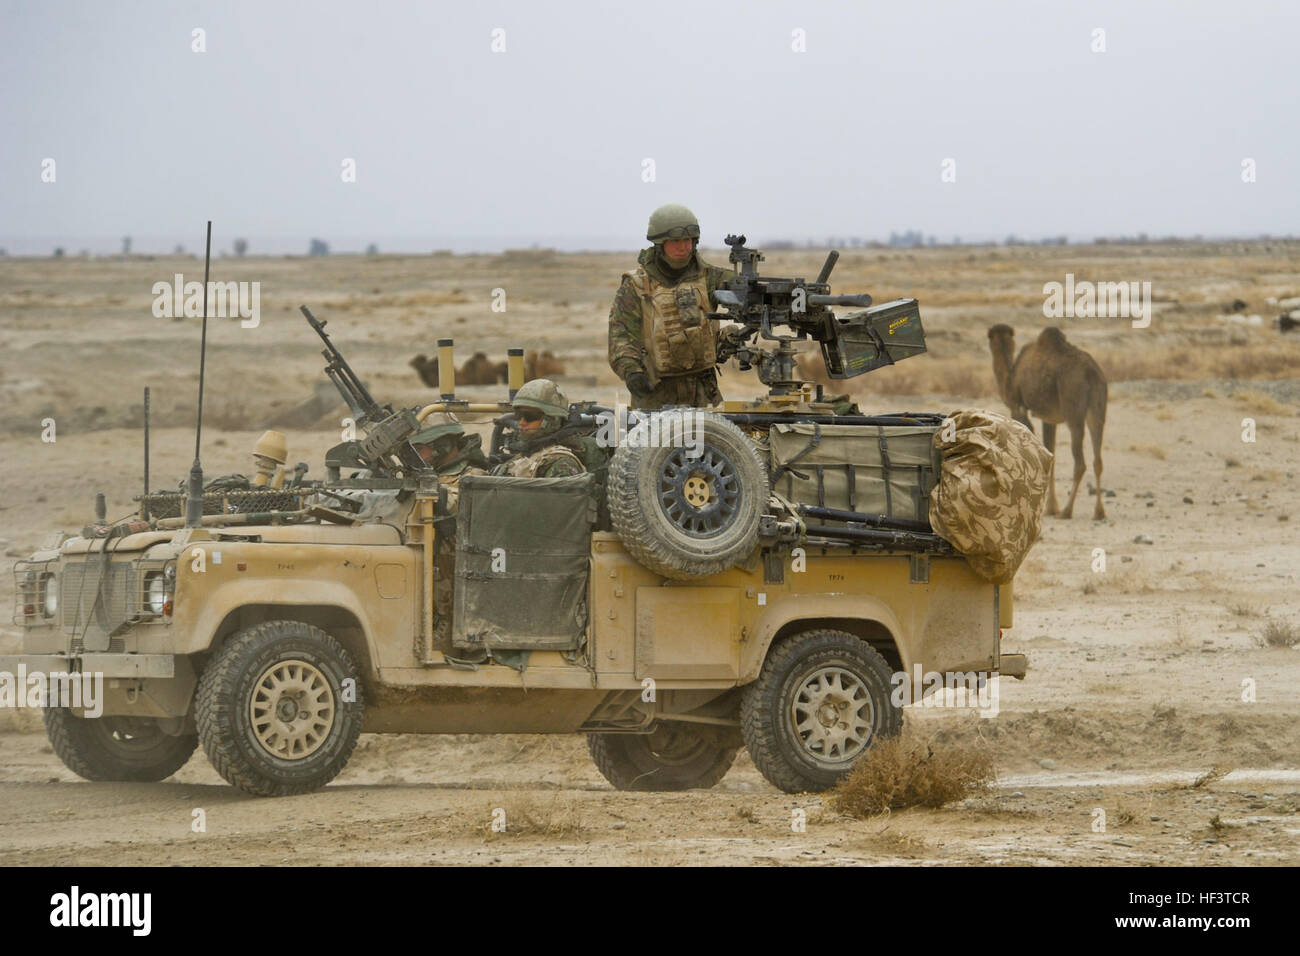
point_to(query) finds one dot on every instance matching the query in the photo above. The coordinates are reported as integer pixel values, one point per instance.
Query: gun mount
(851, 344)
(386, 449)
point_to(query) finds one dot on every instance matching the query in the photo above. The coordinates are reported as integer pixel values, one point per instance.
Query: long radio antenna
(194, 497)
(144, 502)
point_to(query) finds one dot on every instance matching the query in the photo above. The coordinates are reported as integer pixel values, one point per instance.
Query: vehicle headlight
(156, 592)
(50, 605)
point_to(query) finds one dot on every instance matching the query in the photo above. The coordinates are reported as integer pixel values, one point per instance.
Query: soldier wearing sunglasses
(540, 410)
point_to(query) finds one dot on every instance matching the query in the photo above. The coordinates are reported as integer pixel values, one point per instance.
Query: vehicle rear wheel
(279, 709)
(819, 703)
(116, 748)
(685, 515)
(674, 756)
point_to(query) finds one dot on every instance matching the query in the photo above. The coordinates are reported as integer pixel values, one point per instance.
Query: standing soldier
(660, 343)
(541, 411)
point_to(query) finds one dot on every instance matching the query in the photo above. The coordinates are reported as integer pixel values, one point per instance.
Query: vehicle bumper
(1013, 665)
(109, 665)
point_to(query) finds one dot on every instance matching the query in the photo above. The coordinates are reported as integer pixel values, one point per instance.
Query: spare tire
(686, 490)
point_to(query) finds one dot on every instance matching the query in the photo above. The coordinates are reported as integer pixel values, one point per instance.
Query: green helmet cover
(431, 435)
(672, 221)
(543, 395)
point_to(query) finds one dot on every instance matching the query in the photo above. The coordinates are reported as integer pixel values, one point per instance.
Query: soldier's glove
(731, 340)
(638, 383)
(735, 335)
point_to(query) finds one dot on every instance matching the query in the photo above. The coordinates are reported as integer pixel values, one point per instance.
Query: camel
(426, 368)
(1058, 383)
(543, 365)
(480, 370)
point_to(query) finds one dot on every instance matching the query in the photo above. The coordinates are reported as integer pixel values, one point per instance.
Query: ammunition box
(865, 340)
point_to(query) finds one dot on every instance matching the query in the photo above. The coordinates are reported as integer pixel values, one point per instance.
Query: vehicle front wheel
(279, 709)
(116, 748)
(821, 700)
(674, 756)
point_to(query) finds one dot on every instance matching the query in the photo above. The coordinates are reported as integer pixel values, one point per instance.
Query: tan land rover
(754, 575)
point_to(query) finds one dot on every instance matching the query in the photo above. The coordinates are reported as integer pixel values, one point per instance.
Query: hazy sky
(457, 145)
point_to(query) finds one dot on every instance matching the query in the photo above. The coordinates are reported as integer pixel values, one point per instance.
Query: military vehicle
(754, 575)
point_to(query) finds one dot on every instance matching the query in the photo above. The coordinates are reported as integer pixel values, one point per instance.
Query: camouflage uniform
(627, 345)
(560, 459)
(553, 461)
(449, 476)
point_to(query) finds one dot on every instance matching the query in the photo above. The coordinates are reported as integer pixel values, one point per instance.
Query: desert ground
(1142, 677)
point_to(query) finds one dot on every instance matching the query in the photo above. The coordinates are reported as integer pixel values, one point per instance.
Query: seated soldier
(541, 411)
(444, 446)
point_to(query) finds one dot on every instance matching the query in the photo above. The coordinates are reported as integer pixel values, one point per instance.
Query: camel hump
(1053, 338)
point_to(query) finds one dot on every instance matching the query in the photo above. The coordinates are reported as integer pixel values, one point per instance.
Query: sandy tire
(685, 517)
(271, 709)
(116, 748)
(675, 756)
(819, 703)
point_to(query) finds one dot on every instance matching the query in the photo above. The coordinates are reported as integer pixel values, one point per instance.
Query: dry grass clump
(1262, 360)
(1261, 403)
(528, 817)
(1278, 634)
(1155, 451)
(1213, 775)
(911, 771)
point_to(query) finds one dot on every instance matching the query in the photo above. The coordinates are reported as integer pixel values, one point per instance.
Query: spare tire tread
(641, 538)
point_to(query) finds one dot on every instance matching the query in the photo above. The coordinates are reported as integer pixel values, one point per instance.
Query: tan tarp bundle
(886, 470)
(989, 500)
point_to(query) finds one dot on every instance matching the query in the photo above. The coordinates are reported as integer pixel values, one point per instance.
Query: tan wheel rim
(292, 709)
(833, 715)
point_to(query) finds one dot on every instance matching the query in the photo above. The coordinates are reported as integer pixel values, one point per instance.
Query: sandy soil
(1136, 674)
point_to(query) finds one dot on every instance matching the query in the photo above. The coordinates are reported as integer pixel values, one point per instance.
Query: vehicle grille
(80, 587)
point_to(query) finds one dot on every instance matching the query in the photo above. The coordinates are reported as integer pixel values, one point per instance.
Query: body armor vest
(527, 466)
(676, 337)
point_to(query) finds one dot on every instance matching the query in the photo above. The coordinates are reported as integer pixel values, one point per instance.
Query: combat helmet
(543, 395)
(672, 221)
(444, 427)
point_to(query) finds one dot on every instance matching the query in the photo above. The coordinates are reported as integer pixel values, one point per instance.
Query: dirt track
(1135, 674)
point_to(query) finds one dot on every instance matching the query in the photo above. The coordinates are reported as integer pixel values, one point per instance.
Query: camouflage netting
(172, 505)
(989, 500)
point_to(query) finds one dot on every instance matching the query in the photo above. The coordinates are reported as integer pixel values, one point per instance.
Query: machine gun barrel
(860, 299)
(358, 398)
(387, 443)
(824, 276)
